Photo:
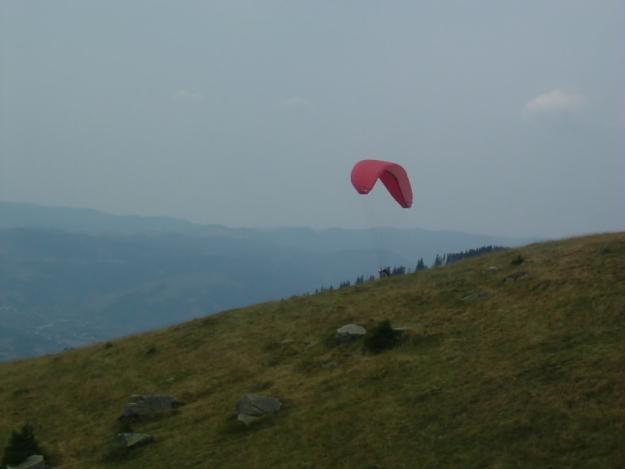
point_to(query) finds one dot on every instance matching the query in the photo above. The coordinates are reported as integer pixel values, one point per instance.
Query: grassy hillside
(503, 366)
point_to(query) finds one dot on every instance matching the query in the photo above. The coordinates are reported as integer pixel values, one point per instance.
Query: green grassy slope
(493, 372)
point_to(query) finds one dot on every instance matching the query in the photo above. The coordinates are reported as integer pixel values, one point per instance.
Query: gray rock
(147, 406)
(475, 296)
(253, 406)
(35, 461)
(350, 331)
(247, 419)
(515, 277)
(131, 440)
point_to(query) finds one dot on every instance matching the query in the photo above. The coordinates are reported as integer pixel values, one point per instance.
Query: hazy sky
(508, 116)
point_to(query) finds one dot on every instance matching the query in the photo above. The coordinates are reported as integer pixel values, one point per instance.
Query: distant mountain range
(73, 276)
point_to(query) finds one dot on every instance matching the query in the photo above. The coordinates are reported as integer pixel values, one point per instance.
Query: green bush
(518, 260)
(381, 337)
(21, 445)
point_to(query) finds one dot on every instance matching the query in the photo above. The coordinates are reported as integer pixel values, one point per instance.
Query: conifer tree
(21, 445)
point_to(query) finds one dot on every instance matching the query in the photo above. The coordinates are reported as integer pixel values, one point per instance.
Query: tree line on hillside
(452, 257)
(439, 261)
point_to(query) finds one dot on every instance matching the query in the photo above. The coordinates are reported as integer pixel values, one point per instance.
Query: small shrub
(21, 392)
(21, 445)
(151, 351)
(518, 260)
(381, 337)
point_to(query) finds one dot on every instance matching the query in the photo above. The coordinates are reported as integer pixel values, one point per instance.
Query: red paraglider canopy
(365, 174)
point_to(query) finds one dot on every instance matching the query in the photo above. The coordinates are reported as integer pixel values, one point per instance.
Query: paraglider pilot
(385, 272)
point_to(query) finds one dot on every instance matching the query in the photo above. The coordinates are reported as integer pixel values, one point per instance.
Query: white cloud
(296, 102)
(186, 95)
(554, 102)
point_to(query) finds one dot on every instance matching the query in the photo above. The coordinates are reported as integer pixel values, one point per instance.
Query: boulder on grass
(516, 276)
(132, 440)
(350, 331)
(148, 406)
(251, 407)
(35, 461)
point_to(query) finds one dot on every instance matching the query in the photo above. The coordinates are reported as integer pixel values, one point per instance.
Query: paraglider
(385, 272)
(365, 174)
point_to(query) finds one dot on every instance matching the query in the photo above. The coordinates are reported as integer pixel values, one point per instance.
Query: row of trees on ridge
(439, 261)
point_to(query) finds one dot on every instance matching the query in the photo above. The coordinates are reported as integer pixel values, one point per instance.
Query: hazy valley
(72, 276)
